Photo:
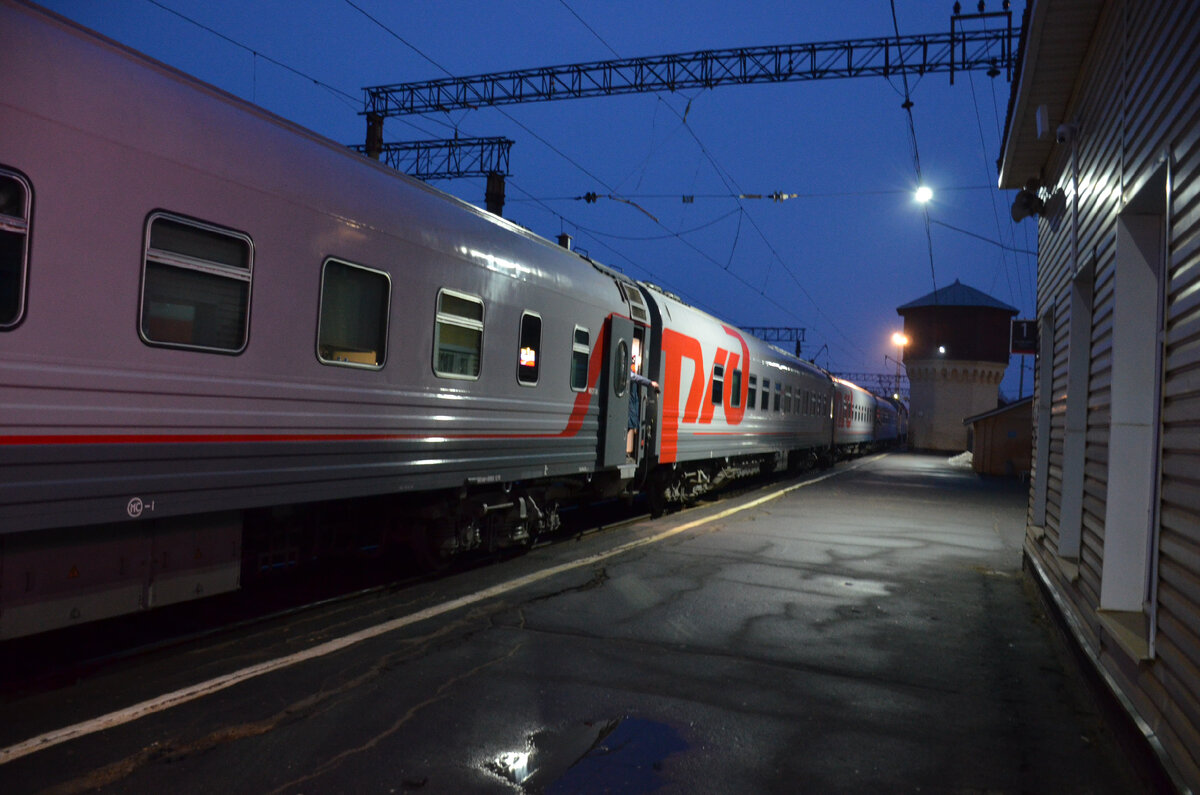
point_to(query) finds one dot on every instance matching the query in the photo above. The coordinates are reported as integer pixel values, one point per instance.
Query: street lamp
(924, 194)
(899, 339)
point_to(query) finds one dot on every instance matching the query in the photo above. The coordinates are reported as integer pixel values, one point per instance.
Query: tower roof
(957, 294)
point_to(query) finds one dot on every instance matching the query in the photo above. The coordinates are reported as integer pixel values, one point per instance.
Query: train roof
(278, 167)
(789, 358)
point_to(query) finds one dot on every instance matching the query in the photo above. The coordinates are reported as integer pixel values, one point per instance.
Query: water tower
(957, 352)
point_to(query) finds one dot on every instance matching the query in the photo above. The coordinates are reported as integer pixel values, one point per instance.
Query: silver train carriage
(210, 311)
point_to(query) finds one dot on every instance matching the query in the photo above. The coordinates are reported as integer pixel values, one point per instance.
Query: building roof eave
(1056, 40)
(1002, 409)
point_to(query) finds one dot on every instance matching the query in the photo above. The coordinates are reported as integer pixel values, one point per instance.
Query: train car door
(615, 392)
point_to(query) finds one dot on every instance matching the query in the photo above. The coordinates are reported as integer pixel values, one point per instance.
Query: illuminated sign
(1024, 337)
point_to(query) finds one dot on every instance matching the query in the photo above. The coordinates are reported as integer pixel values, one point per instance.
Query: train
(229, 345)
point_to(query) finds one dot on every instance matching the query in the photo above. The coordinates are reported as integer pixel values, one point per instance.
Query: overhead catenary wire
(912, 133)
(351, 99)
(730, 185)
(689, 198)
(344, 96)
(1016, 294)
(257, 54)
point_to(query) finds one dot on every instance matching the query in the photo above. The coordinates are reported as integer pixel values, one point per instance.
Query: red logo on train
(699, 408)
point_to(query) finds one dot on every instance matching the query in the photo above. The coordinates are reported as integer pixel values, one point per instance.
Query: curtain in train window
(14, 246)
(458, 336)
(529, 349)
(580, 349)
(196, 286)
(354, 315)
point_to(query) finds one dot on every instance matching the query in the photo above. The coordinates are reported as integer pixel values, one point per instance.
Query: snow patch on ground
(963, 460)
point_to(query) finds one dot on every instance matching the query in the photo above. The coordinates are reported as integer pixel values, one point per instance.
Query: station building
(1102, 145)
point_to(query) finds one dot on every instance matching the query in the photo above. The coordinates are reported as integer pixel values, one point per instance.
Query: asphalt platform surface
(868, 630)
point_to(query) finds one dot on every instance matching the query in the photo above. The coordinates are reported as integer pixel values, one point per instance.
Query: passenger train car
(229, 345)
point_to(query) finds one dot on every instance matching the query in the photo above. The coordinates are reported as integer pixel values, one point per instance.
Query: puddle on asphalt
(829, 585)
(622, 755)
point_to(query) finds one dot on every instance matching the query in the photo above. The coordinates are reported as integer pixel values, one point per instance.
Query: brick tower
(956, 357)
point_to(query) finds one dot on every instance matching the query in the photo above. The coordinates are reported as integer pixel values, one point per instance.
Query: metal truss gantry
(960, 50)
(444, 159)
(956, 51)
(778, 334)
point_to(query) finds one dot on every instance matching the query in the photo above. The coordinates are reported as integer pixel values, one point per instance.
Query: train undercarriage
(53, 579)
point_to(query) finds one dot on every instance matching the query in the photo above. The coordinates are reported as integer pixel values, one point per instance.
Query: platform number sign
(1024, 337)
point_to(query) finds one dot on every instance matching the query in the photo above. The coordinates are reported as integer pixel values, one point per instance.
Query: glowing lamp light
(899, 339)
(942, 349)
(924, 194)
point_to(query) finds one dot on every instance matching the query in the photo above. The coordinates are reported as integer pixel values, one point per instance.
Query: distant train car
(887, 423)
(853, 418)
(229, 346)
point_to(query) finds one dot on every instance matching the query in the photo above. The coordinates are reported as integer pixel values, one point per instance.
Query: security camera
(1065, 133)
(1025, 204)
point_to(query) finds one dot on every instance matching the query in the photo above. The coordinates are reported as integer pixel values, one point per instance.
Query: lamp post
(899, 339)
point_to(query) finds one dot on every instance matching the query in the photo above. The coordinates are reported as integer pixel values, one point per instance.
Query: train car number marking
(136, 507)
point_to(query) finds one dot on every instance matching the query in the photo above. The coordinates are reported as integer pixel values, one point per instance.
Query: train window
(778, 396)
(529, 349)
(787, 400)
(718, 384)
(458, 335)
(14, 246)
(353, 324)
(766, 395)
(752, 392)
(196, 285)
(735, 388)
(581, 345)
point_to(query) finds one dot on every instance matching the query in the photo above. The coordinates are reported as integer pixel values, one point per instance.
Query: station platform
(868, 628)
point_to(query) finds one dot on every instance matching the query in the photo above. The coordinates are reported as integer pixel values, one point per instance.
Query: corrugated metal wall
(1100, 193)
(1138, 101)
(1171, 88)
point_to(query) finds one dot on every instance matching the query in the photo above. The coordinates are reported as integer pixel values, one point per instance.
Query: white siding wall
(1137, 107)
